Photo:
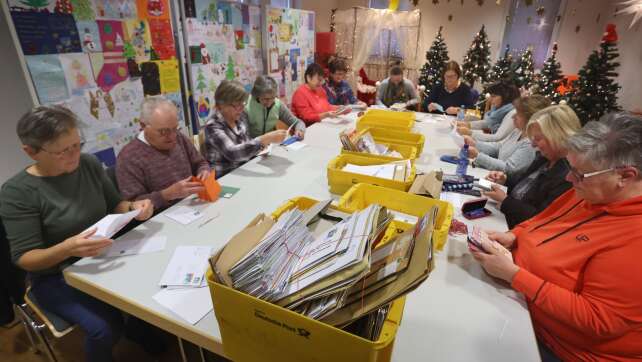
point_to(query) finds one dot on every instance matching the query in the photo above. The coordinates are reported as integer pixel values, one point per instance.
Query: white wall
(14, 102)
(322, 9)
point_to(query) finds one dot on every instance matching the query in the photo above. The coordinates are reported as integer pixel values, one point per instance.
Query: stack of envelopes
(333, 274)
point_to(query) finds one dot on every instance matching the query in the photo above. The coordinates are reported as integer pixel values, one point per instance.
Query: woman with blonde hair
(544, 181)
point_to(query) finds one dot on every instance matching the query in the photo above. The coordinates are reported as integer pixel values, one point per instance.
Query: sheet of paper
(266, 151)
(190, 304)
(454, 198)
(183, 214)
(187, 266)
(296, 146)
(336, 120)
(112, 223)
(136, 246)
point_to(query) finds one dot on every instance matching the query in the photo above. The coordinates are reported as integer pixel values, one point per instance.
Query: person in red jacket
(578, 261)
(310, 102)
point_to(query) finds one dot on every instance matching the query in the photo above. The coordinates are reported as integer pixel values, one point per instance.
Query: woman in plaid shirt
(228, 143)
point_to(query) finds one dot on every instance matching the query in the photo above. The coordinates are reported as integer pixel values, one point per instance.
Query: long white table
(458, 314)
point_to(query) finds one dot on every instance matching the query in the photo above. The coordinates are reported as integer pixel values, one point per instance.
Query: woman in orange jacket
(578, 262)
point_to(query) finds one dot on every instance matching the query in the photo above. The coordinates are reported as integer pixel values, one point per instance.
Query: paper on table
(336, 120)
(454, 198)
(136, 246)
(183, 214)
(296, 146)
(112, 223)
(187, 266)
(190, 304)
(266, 151)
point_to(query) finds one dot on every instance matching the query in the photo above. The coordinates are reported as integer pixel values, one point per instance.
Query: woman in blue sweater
(451, 94)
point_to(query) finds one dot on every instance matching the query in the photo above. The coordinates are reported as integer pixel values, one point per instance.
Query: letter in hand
(83, 245)
(146, 209)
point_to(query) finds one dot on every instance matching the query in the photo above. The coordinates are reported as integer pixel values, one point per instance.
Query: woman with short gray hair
(228, 143)
(47, 210)
(578, 261)
(265, 111)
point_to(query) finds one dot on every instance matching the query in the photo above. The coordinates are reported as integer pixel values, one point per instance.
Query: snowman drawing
(88, 41)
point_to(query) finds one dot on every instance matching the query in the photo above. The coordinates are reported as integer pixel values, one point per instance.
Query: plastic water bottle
(462, 162)
(461, 114)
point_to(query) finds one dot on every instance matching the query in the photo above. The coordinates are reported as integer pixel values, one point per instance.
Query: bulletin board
(99, 58)
(290, 47)
(224, 40)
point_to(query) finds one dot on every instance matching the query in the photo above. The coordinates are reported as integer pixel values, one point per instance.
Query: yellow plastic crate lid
(401, 121)
(390, 136)
(362, 195)
(340, 181)
(255, 330)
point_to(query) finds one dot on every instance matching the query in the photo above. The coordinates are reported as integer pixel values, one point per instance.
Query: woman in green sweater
(47, 209)
(264, 109)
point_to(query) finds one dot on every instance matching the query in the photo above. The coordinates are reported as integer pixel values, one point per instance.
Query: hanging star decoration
(577, 29)
(631, 7)
(480, 2)
(450, 17)
(540, 11)
(435, 2)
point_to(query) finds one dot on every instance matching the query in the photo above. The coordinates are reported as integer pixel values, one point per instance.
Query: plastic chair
(36, 320)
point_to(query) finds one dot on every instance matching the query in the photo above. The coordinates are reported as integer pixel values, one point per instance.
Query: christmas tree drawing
(229, 73)
(523, 69)
(432, 72)
(200, 81)
(63, 7)
(477, 60)
(550, 77)
(35, 4)
(595, 92)
(82, 10)
(212, 86)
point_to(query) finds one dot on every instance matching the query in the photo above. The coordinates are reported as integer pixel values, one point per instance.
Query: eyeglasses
(237, 106)
(168, 131)
(582, 176)
(76, 147)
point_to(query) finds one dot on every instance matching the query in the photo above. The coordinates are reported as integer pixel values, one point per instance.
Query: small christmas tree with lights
(550, 77)
(432, 72)
(595, 90)
(502, 70)
(523, 69)
(477, 60)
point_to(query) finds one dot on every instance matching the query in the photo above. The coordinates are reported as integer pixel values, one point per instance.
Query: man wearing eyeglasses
(159, 164)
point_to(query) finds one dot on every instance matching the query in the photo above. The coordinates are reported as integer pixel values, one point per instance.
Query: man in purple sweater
(160, 162)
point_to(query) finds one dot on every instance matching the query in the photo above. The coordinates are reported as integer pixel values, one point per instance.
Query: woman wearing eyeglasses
(545, 179)
(46, 210)
(578, 262)
(228, 143)
(264, 110)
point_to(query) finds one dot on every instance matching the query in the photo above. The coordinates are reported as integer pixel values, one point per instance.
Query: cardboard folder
(428, 185)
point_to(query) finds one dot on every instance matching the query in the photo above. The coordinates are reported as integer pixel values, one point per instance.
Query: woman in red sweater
(578, 262)
(309, 102)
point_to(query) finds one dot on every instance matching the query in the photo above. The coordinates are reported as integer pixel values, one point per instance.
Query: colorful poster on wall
(220, 47)
(99, 59)
(49, 77)
(290, 44)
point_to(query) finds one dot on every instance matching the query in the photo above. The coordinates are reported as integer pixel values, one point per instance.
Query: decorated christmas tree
(83, 10)
(502, 70)
(63, 7)
(523, 69)
(477, 59)
(550, 77)
(595, 92)
(432, 72)
(200, 79)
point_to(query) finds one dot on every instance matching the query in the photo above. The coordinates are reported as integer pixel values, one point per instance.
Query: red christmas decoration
(610, 36)
(63, 7)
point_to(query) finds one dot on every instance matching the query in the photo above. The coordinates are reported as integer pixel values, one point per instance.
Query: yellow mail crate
(398, 121)
(254, 330)
(340, 181)
(390, 136)
(363, 195)
(406, 151)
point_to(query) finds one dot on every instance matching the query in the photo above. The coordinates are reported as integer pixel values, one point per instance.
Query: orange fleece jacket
(581, 273)
(308, 104)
